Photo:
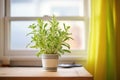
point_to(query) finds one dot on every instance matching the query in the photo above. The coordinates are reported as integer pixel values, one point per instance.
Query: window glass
(19, 29)
(33, 8)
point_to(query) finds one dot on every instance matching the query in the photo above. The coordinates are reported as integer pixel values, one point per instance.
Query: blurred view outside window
(38, 8)
(33, 8)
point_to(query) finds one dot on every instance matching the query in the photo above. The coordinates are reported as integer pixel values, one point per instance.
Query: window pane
(19, 29)
(32, 8)
(78, 34)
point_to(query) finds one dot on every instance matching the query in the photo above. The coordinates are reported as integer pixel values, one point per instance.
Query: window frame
(18, 55)
(2, 12)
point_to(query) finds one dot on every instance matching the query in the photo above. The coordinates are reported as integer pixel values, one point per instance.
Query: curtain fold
(111, 46)
(102, 47)
(117, 23)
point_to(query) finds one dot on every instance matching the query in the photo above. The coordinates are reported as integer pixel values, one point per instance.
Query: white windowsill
(34, 61)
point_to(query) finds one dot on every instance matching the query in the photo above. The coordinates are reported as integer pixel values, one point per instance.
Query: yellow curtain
(117, 23)
(102, 47)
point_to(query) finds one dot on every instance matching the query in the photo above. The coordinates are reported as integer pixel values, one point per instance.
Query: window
(21, 13)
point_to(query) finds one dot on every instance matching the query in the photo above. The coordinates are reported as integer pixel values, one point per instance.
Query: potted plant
(50, 39)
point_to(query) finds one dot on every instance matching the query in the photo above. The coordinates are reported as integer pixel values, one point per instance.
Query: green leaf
(66, 45)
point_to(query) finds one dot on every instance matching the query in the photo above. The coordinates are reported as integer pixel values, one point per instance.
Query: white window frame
(26, 55)
(2, 8)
